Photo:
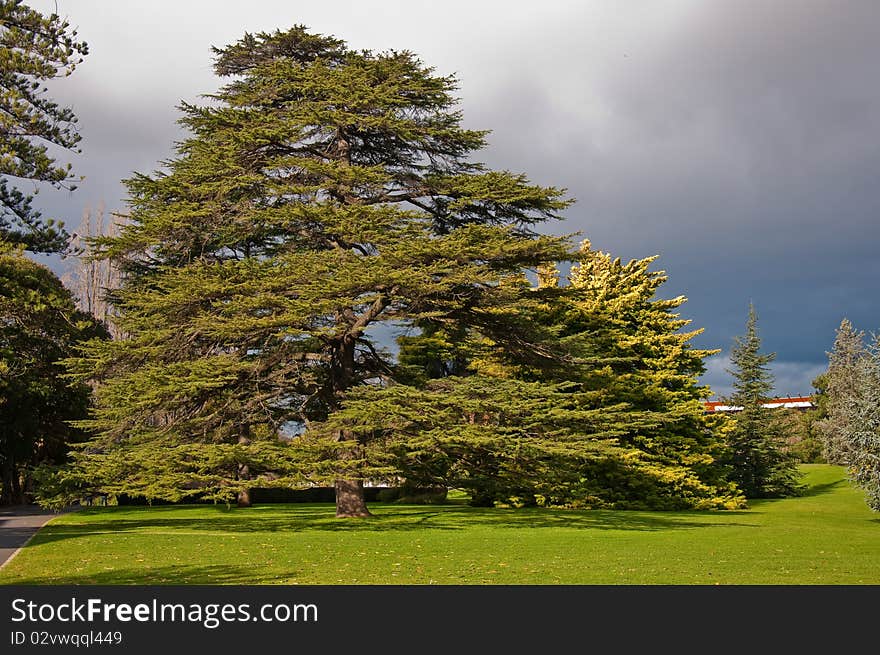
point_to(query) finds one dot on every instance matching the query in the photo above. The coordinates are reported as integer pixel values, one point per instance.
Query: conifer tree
(648, 335)
(757, 457)
(503, 440)
(655, 367)
(635, 431)
(322, 192)
(861, 431)
(33, 49)
(841, 383)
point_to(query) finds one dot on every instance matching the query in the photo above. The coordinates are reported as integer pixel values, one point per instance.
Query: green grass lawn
(827, 536)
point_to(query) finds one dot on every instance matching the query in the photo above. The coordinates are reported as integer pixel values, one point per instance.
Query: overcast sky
(739, 140)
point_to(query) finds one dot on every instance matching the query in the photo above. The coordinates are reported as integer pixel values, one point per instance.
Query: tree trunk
(244, 473)
(350, 501)
(244, 498)
(10, 493)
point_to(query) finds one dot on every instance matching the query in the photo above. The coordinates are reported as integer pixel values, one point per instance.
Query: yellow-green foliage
(604, 410)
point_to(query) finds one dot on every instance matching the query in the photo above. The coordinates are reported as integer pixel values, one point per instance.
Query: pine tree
(501, 439)
(841, 382)
(759, 462)
(860, 433)
(322, 192)
(33, 49)
(619, 369)
(652, 367)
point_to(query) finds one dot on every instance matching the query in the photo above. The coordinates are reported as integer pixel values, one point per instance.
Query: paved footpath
(18, 524)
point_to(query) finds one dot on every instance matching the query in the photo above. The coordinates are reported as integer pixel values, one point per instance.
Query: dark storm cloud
(737, 139)
(744, 148)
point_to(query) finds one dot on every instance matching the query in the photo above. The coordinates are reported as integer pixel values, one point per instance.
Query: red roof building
(792, 402)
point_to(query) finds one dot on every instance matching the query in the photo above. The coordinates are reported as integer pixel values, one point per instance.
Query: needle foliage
(322, 192)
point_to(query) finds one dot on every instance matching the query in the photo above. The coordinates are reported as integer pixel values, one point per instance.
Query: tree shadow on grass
(302, 518)
(818, 489)
(181, 574)
(807, 492)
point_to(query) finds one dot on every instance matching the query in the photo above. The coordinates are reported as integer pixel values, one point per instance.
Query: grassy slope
(828, 536)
